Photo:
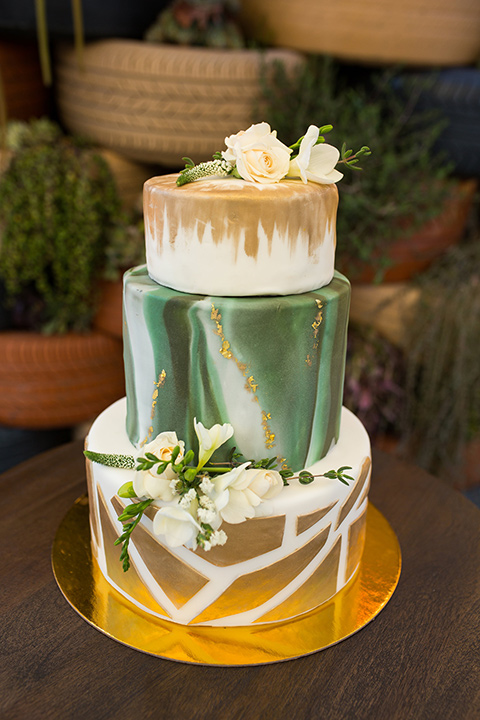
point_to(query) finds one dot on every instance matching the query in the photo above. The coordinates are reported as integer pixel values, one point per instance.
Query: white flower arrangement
(258, 156)
(193, 498)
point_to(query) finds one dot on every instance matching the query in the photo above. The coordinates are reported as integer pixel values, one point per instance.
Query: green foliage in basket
(405, 185)
(59, 208)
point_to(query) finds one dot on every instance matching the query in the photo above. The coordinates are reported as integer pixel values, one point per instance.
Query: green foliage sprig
(131, 516)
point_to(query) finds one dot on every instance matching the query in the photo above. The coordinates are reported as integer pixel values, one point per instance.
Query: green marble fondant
(271, 366)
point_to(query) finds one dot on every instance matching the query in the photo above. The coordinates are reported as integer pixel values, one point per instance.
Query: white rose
(315, 162)
(267, 484)
(177, 525)
(209, 439)
(258, 154)
(147, 483)
(237, 493)
(163, 445)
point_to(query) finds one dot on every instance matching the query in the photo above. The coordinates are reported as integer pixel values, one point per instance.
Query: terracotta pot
(109, 316)
(431, 32)
(159, 103)
(412, 254)
(57, 381)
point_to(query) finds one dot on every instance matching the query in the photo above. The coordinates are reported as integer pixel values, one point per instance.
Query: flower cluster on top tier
(192, 498)
(258, 156)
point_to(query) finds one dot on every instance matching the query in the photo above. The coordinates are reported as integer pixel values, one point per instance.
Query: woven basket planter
(129, 177)
(418, 32)
(57, 381)
(159, 103)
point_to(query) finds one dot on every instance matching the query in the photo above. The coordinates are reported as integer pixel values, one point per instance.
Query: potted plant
(58, 208)
(159, 100)
(397, 218)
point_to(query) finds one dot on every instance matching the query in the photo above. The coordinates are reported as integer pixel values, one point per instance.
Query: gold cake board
(81, 582)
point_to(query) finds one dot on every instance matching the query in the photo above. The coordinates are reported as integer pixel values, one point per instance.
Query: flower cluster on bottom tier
(302, 546)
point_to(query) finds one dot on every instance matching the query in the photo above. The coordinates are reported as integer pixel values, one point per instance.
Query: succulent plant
(198, 22)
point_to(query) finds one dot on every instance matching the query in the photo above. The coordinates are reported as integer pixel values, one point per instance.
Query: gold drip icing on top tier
(239, 212)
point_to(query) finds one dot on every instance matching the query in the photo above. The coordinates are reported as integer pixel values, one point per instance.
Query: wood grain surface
(419, 659)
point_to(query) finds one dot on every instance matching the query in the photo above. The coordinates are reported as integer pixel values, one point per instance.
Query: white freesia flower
(210, 439)
(315, 162)
(224, 496)
(147, 483)
(177, 525)
(257, 154)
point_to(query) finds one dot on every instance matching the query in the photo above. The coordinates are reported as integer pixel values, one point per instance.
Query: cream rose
(266, 484)
(315, 162)
(257, 154)
(148, 483)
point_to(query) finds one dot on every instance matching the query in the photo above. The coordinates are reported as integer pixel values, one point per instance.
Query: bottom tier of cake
(301, 548)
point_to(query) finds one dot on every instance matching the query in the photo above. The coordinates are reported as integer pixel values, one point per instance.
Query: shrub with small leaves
(58, 202)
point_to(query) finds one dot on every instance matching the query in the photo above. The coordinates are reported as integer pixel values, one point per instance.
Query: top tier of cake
(229, 237)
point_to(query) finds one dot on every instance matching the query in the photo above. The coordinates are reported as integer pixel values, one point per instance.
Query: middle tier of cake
(273, 367)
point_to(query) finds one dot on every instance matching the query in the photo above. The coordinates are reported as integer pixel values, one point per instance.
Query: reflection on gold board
(87, 591)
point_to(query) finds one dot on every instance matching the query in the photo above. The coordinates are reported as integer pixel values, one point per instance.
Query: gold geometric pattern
(178, 580)
(356, 541)
(356, 492)
(257, 587)
(129, 581)
(304, 522)
(246, 541)
(93, 515)
(319, 587)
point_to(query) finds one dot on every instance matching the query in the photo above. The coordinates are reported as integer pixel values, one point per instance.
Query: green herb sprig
(131, 516)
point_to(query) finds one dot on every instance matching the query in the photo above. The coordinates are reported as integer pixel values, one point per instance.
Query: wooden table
(419, 659)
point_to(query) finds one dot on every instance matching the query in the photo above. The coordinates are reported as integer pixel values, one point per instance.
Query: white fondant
(108, 435)
(185, 257)
(193, 263)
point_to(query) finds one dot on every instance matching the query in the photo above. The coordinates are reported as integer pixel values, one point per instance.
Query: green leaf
(152, 457)
(305, 477)
(175, 453)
